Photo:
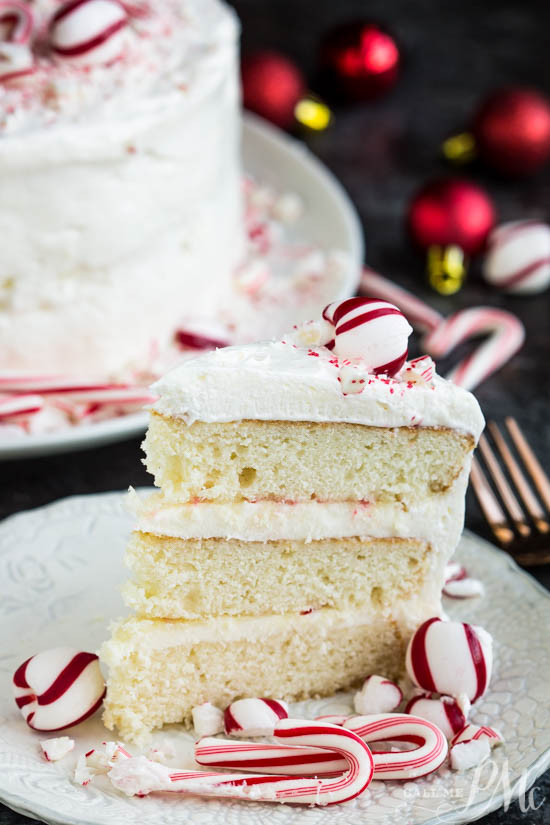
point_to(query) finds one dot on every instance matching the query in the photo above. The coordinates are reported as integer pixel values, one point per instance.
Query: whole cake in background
(120, 176)
(312, 492)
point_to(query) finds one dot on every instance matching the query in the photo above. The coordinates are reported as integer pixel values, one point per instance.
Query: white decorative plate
(60, 567)
(329, 222)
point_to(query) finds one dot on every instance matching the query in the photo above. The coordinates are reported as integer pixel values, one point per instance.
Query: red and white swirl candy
(141, 776)
(89, 32)
(371, 330)
(450, 658)
(58, 688)
(518, 257)
(448, 714)
(254, 717)
(377, 695)
(427, 756)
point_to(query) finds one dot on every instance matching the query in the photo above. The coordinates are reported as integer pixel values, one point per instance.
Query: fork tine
(510, 501)
(522, 485)
(542, 483)
(488, 502)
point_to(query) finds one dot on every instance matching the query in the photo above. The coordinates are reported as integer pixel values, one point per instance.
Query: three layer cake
(309, 503)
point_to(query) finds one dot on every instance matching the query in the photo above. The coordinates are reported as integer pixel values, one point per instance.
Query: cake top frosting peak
(293, 380)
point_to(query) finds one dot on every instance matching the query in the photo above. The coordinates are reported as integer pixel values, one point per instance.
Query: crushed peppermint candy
(58, 748)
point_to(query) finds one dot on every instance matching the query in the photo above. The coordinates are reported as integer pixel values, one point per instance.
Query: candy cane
(418, 313)
(429, 754)
(506, 337)
(357, 775)
(443, 334)
(20, 405)
(16, 22)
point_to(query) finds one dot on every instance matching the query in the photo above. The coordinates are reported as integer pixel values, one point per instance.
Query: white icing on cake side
(132, 190)
(277, 381)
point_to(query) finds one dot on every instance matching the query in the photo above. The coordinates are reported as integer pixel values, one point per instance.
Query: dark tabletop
(455, 52)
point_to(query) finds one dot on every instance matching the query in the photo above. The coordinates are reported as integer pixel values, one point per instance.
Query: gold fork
(519, 518)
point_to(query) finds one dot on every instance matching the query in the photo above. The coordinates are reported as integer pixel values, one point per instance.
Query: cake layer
(159, 670)
(192, 560)
(297, 460)
(198, 578)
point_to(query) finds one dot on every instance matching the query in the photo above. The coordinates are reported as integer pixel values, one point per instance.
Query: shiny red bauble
(512, 130)
(359, 60)
(272, 86)
(451, 211)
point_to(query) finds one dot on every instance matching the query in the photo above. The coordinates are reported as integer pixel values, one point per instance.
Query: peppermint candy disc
(58, 688)
(451, 658)
(16, 22)
(374, 331)
(88, 31)
(254, 717)
(518, 257)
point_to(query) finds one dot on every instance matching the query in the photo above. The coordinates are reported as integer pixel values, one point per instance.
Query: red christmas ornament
(360, 59)
(451, 212)
(450, 219)
(272, 86)
(512, 130)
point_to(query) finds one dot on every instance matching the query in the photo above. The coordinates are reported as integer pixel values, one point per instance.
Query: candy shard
(467, 755)
(55, 749)
(208, 720)
(254, 717)
(471, 732)
(378, 695)
(447, 713)
(465, 588)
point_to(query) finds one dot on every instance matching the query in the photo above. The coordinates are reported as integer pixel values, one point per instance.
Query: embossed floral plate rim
(78, 542)
(278, 160)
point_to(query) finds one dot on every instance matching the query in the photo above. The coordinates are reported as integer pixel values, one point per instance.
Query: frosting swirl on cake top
(281, 381)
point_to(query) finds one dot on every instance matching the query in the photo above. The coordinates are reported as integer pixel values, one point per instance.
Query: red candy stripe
(419, 659)
(478, 660)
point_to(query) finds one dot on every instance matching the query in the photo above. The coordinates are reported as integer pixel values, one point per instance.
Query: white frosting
(281, 381)
(131, 204)
(161, 634)
(437, 519)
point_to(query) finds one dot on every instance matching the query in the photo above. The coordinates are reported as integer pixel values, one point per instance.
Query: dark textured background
(455, 51)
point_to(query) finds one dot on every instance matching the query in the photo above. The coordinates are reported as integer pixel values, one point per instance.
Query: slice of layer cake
(309, 502)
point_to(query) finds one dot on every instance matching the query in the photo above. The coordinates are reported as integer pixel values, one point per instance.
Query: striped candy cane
(275, 759)
(442, 335)
(295, 790)
(506, 335)
(429, 753)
